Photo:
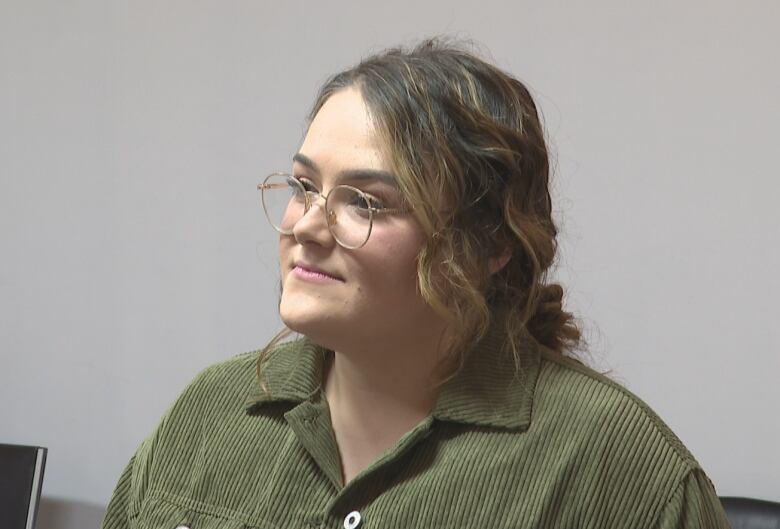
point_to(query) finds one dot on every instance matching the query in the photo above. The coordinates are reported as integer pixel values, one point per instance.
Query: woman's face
(374, 295)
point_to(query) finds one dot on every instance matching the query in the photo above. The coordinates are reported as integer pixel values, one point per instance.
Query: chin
(319, 321)
(305, 315)
(316, 330)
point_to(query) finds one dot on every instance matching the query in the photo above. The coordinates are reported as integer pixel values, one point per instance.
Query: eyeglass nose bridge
(331, 218)
(330, 214)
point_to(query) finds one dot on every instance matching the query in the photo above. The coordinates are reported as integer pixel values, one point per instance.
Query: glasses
(349, 211)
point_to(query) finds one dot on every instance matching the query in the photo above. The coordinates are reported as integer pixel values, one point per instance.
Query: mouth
(311, 272)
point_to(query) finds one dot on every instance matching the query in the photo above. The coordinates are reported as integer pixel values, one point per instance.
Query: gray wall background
(134, 252)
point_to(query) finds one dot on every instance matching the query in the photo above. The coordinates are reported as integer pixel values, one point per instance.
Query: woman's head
(372, 296)
(466, 146)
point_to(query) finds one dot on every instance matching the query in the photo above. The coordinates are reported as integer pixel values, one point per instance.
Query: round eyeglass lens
(350, 216)
(284, 201)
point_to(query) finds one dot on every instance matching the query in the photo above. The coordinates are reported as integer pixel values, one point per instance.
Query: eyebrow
(350, 174)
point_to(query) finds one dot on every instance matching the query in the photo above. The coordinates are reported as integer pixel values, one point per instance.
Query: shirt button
(352, 520)
(182, 526)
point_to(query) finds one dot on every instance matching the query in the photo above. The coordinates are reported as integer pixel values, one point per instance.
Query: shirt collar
(487, 391)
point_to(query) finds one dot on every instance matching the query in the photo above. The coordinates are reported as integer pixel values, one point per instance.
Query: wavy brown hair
(467, 146)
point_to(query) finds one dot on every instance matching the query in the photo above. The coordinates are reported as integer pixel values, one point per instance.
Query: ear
(497, 263)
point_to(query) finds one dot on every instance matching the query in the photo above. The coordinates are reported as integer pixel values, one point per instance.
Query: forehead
(342, 134)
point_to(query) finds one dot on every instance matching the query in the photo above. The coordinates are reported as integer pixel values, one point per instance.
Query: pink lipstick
(314, 277)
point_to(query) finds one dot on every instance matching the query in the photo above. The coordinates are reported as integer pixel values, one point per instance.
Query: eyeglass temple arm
(271, 186)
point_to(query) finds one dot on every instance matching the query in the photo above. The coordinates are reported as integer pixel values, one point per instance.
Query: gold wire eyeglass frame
(330, 215)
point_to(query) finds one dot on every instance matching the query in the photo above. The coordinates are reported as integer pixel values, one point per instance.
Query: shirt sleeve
(117, 515)
(128, 497)
(131, 487)
(693, 505)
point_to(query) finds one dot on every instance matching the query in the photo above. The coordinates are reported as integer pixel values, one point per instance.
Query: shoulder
(604, 405)
(212, 401)
(608, 438)
(215, 393)
(226, 376)
(237, 367)
(608, 423)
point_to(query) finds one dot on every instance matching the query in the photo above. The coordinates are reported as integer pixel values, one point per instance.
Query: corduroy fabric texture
(559, 446)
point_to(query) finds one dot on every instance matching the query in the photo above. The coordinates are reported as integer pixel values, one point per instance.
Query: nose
(313, 225)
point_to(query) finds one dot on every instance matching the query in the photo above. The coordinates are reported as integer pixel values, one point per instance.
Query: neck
(383, 389)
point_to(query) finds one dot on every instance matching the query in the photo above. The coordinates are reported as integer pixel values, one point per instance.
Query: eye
(293, 187)
(383, 198)
(369, 202)
(376, 203)
(308, 185)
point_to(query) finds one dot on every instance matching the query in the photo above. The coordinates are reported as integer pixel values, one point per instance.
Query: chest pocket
(162, 514)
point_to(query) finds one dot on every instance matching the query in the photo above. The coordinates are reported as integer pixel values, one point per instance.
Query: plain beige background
(134, 252)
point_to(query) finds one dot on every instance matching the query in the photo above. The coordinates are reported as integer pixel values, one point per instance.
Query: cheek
(285, 250)
(392, 266)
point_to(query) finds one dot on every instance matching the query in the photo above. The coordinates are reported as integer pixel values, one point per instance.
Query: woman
(433, 384)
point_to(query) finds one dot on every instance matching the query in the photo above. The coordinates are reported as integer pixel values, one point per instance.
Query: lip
(311, 272)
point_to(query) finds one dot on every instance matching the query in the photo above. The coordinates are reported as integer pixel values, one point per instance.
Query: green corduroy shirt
(557, 446)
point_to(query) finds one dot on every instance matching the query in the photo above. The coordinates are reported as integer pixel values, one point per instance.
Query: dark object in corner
(21, 477)
(748, 513)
